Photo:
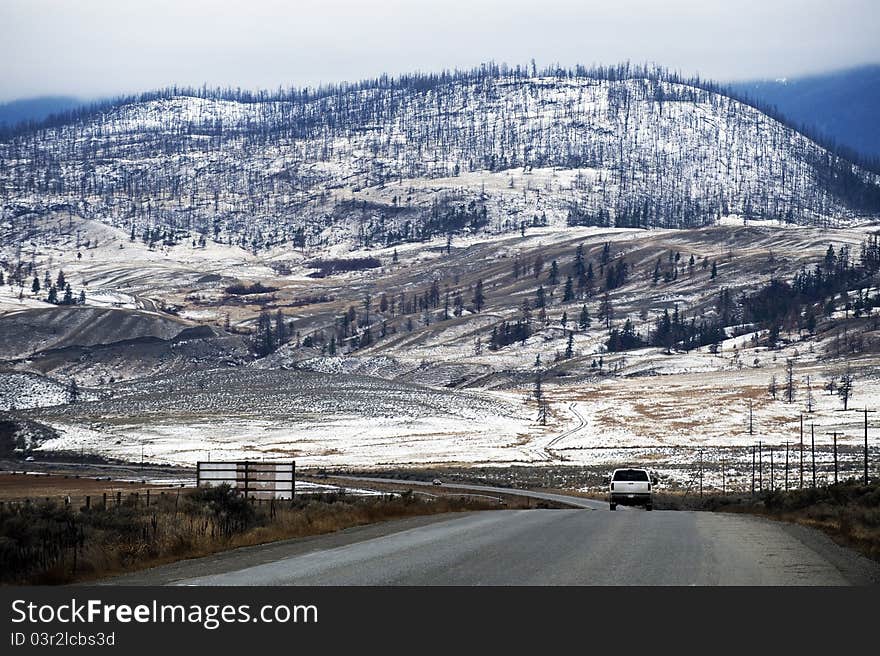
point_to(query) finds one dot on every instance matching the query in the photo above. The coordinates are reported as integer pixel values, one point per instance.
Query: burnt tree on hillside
(479, 297)
(606, 310)
(845, 388)
(789, 381)
(73, 391)
(70, 160)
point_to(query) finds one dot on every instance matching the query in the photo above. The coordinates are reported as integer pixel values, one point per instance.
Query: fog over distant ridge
(91, 48)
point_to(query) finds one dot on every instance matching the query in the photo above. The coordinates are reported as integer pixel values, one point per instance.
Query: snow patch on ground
(22, 390)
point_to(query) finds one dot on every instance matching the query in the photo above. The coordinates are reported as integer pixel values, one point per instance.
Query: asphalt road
(539, 547)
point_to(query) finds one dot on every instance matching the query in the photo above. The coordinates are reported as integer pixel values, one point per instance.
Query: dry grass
(848, 512)
(50, 543)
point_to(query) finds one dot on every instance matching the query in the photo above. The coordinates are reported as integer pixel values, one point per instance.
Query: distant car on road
(437, 481)
(632, 487)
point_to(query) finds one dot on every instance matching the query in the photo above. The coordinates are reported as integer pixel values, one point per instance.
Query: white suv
(632, 487)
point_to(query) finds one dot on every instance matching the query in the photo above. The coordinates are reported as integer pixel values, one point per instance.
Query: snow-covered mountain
(391, 161)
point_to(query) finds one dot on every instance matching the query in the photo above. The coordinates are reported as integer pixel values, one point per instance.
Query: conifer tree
(579, 268)
(540, 299)
(845, 388)
(568, 294)
(538, 264)
(264, 338)
(281, 335)
(584, 321)
(553, 276)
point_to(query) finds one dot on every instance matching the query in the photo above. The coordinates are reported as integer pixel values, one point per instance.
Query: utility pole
(801, 484)
(813, 449)
(760, 467)
(866, 443)
(753, 470)
(723, 476)
(786, 466)
(835, 434)
(865, 411)
(751, 430)
(701, 473)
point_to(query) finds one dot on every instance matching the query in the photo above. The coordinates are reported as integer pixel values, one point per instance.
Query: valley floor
(171, 385)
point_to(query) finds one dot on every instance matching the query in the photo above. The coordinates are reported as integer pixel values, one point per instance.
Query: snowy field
(349, 441)
(318, 419)
(662, 416)
(22, 390)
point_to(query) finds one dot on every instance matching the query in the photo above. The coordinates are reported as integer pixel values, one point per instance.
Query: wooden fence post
(760, 467)
(753, 469)
(813, 449)
(772, 473)
(786, 466)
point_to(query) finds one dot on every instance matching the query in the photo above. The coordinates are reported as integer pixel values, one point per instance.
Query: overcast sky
(90, 48)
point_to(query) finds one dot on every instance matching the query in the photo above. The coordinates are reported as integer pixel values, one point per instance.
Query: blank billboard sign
(260, 480)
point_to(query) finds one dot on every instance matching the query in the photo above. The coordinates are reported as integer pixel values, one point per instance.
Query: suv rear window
(630, 475)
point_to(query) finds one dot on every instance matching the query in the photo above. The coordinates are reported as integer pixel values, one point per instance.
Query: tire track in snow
(548, 448)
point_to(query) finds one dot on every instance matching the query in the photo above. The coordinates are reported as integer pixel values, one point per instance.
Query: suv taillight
(649, 486)
(612, 485)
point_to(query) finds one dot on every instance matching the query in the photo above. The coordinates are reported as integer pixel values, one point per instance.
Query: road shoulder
(853, 566)
(243, 557)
